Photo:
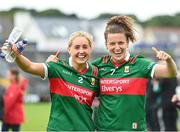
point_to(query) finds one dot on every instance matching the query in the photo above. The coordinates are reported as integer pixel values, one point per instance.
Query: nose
(81, 50)
(117, 46)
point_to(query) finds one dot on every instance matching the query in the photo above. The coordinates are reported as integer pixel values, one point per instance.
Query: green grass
(36, 117)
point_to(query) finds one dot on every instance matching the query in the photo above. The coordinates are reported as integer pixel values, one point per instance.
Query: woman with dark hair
(123, 78)
(13, 101)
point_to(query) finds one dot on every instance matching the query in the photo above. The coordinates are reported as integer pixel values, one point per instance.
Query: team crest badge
(126, 69)
(93, 81)
(135, 125)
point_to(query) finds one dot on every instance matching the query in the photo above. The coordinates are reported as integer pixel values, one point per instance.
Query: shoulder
(138, 59)
(101, 60)
(94, 70)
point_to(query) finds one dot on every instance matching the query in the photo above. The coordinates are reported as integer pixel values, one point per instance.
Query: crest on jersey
(93, 81)
(126, 69)
(135, 125)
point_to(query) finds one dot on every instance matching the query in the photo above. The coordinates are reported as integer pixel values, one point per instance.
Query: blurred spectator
(13, 101)
(152, 105)
(168, 86)
(3, 85)
(2, 91)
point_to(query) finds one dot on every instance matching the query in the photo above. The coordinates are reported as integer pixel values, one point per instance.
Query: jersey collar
(127, 57)
(80, 71)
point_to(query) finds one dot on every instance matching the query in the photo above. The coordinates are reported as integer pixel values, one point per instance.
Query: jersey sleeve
(147, 67)
(49, 69)
(96, 62)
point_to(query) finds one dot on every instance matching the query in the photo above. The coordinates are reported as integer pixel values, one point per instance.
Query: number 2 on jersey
(80, 80)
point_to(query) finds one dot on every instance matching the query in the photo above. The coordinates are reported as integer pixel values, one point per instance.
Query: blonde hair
(121, 24)
(74, 35)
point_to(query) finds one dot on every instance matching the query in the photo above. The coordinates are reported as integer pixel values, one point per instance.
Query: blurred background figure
(2, 90)
(169, 112)
(159, 96)
(13, 115)
(3, 84)
(153, 104)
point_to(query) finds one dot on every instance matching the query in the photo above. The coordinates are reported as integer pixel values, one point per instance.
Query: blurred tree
(50, 12)
(45, 13)
(163, 21)
(156, 21)
(109, 15)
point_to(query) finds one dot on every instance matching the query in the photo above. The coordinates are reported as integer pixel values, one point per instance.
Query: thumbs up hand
(53, 58)
(161, 55)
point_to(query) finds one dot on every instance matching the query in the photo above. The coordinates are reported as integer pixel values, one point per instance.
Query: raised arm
(27, 66)
(167, 68)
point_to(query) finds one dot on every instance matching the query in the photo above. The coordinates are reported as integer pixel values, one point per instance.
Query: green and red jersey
(122, 93)
(72, 94)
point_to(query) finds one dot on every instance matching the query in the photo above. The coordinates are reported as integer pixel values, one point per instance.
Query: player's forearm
(23, 63)
(30, 67)
(171, 67)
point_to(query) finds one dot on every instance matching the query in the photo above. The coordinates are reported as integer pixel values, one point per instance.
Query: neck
(78, 67)
(121, 60)
(81, 68)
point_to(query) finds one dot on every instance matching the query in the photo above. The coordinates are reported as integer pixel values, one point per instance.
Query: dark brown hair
(14, 71)
(121, 24)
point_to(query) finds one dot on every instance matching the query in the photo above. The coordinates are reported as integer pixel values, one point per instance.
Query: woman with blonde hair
(73, 84)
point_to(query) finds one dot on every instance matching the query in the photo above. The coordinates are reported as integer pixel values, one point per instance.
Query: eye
(120, 43)
(76, 47)
(112, 43)
(85, 46)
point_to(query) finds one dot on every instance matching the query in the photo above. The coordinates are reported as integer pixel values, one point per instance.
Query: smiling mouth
(81, 56)
(119, 53)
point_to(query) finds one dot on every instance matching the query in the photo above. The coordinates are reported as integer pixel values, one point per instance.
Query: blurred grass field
(36, 117)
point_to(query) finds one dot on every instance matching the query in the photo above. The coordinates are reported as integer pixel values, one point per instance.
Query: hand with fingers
(5, 49)
(161, 55)
(17, 48)
(175, 100)
(53, 58)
